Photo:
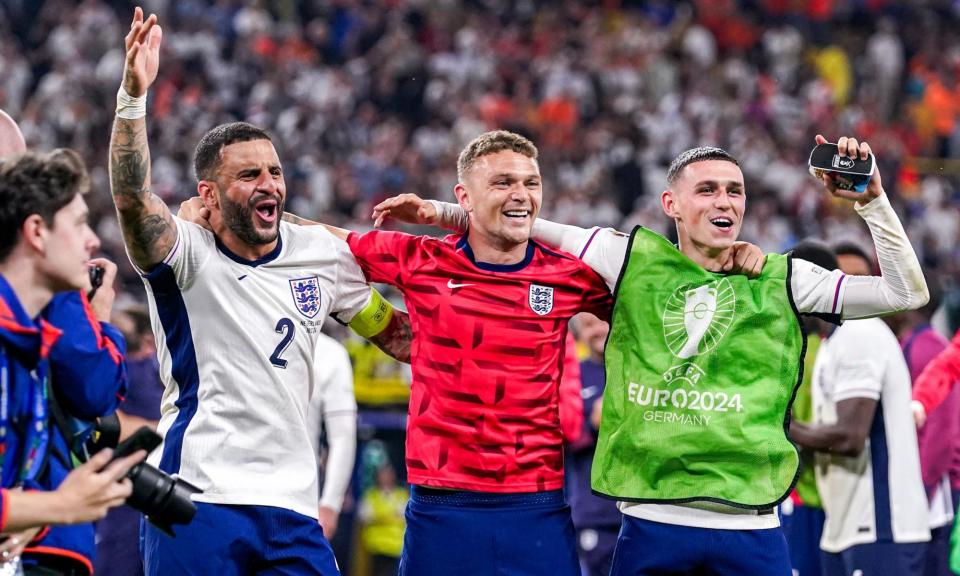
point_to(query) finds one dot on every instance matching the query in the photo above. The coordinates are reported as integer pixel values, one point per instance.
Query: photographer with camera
(88, 378)
(45, 245)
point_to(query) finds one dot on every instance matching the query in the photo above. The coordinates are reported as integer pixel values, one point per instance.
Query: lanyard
(33, 427)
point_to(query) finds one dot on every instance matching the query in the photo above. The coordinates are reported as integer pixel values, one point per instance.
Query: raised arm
(901, 285)
(149, 231)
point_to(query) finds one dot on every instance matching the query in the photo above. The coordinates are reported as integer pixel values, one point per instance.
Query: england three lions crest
(306, 295)
(540, 299)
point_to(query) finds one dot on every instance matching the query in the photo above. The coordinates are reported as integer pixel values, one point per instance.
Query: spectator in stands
(382, 515)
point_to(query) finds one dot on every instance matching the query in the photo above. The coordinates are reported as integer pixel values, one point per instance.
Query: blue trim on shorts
(426, 495)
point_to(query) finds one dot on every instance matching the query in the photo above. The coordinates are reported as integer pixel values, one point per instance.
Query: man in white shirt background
(868, 463)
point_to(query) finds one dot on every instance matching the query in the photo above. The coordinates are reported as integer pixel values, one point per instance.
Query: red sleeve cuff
(41, 535)
(4, 508)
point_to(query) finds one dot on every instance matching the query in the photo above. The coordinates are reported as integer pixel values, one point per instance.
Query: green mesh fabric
(701, 372)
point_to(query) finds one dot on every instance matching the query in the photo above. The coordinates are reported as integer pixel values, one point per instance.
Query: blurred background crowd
(366, 99)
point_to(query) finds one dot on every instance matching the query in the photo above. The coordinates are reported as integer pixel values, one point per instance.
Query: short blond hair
(491, 143)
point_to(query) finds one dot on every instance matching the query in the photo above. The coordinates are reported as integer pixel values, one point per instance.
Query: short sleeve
(860, 362)
(383, 255)
(190, 252)
(604, 250)
(353, 293)
(817, 290)
(597, 297)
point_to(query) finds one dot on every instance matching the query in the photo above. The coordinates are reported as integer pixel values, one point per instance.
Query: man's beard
(239, 219)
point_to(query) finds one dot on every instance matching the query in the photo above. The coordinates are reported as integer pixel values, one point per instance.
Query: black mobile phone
(96, 280)
(142, 439)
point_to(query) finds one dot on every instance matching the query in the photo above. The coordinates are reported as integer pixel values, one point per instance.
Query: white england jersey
(236, 340)
(814, 290)
(878, 495)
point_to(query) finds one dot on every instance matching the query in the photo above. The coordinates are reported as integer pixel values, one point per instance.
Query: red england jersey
(487, 357)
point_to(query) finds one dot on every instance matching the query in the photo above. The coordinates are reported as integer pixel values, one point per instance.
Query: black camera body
(163, 499)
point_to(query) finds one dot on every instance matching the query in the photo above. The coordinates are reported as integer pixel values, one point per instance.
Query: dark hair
(698, 154)
(816, 252)
(206, 158)
(34, 183)
(848, 248)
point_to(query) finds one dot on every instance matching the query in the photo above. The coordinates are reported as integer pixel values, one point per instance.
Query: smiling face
(502, 193)
(250, 191)
(707, 201)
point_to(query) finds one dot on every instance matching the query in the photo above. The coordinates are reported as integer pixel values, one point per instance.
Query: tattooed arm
(396, 338)
(148, 227)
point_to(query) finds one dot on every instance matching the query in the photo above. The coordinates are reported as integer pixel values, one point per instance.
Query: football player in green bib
(702, 366)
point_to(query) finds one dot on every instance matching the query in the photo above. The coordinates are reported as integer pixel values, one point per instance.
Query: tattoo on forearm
(148, 228)
(396, 338)
(129, 162)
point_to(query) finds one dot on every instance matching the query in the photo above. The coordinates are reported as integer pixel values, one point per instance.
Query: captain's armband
(375, 316)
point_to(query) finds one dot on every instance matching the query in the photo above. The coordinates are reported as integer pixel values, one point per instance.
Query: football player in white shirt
(707, 198)
(237, 313)
(335, 405)
(868, 461)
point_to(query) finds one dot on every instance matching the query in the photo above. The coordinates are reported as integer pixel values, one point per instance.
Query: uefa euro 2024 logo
(695, 319)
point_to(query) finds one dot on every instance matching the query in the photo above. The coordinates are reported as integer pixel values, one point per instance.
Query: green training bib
(701, 371)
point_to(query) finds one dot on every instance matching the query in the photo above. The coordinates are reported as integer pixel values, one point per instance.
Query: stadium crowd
(369, 99)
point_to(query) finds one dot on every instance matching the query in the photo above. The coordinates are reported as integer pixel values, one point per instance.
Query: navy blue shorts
(483, 533)
(595, 549)
(877, 559)
(648, 548)
(238, 540)
(803, 529)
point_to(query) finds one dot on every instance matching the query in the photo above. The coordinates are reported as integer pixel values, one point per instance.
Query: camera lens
(164, 499)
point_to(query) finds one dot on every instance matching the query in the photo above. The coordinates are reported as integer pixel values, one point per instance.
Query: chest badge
(306, 295)
(540, 299)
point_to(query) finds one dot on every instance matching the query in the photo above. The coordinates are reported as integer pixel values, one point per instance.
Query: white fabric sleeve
(859, 361)
(602, 249)
(191, 250)
(342, 446)
(816, 290)
(339, 407)
(451, 216)
(353, 292)
(899, 287)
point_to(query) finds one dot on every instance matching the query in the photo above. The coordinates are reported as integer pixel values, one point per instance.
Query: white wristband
(130, 108)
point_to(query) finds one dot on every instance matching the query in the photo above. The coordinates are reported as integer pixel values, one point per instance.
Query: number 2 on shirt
(286, 327)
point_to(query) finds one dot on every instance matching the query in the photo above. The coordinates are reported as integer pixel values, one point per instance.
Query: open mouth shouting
(267, 210)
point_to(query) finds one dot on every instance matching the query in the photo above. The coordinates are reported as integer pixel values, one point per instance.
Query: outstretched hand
(850, 147)
(142, 45)
(744, 258)
(408, 208)
(193, 210)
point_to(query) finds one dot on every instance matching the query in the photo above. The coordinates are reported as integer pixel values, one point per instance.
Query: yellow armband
(374, 317)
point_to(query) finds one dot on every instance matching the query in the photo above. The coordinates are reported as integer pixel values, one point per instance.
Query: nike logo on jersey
(451, 285)
(241, 277)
